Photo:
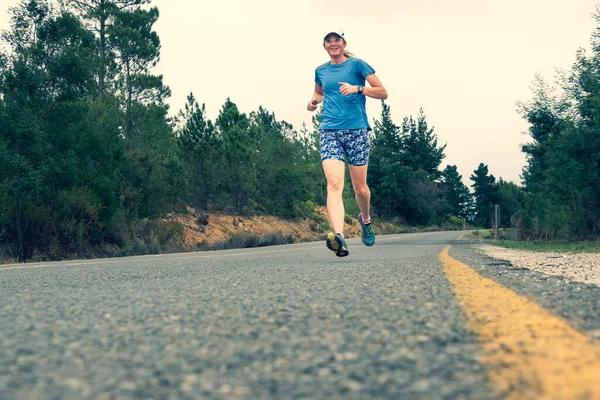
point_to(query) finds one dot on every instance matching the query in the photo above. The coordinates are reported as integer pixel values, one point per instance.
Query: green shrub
(306, 208)
(314, 226)
(526, 227)
(152, 236)
(249, 239)
(349, 220)
(483, 234)
(79, 224)
(202, 220)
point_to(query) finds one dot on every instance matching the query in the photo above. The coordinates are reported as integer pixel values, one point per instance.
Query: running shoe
(368, 236)
(337, 244)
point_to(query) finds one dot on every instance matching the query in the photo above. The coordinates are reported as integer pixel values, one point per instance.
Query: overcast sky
(465, 62)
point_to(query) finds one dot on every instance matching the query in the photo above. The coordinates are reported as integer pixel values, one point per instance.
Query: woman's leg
(361, 190)
(363, 198)
(334, 173)
(357, 146)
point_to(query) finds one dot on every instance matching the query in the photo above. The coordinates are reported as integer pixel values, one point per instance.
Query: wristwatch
(360, 89)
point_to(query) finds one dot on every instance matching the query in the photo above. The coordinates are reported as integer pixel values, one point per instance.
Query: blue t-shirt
(339, 111)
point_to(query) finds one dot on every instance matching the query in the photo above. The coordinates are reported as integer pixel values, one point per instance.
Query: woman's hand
(316, 98)
(347, 88)
(376, 91)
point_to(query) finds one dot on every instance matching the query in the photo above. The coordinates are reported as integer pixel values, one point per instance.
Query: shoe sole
(336, 245)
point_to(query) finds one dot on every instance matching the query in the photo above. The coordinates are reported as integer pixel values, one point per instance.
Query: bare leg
(334, 173)
(362, 193)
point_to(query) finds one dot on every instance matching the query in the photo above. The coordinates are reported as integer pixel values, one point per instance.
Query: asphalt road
(284, 322)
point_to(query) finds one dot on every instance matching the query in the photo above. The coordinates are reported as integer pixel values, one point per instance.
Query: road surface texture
(417, 316)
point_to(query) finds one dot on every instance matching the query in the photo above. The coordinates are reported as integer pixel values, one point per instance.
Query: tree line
(91, 158)
(560, 196)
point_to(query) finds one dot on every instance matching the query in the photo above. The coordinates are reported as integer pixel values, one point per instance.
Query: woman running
(344, 127)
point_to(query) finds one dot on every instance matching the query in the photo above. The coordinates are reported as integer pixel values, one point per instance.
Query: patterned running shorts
(351, 143)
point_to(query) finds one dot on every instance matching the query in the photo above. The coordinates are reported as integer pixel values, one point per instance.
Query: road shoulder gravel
(560, 293)
(577, 267)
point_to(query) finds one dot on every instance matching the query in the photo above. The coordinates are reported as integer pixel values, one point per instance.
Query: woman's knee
(335, 184)
(361, 190)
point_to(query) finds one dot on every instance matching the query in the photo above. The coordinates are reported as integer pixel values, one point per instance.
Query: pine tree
(99, 15)
(485, 194)
(200, 147)
(512, 202)
(60, 158)
(456, 193)
(421, 146)
(237, 172)
(387, 174)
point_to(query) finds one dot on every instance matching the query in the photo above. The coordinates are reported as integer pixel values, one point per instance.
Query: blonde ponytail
(347, 54)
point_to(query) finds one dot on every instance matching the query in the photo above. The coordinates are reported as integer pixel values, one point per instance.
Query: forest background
(92, 163)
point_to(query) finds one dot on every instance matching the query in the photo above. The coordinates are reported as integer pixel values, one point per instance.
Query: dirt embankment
(208, 229)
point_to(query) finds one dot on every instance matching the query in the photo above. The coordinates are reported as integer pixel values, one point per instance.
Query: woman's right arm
(317, 98)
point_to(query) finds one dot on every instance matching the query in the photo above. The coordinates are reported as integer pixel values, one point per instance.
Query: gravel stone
(577, 267)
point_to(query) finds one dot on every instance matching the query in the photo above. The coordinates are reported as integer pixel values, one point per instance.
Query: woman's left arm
(376, 91)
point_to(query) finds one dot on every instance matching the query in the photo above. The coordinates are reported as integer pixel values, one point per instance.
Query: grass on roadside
(551, 246)
(559, 246)
(245, 240)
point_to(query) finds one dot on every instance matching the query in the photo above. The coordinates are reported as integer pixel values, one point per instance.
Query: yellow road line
(529, 353)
